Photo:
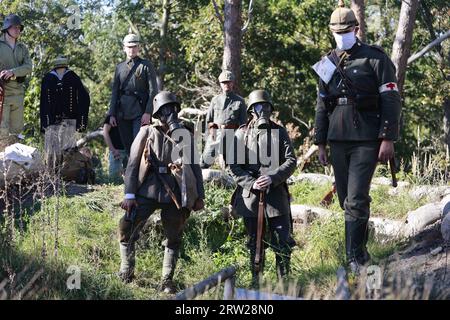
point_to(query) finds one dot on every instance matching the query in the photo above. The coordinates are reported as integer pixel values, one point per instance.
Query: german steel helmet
(258, 96)
(226, 76)
(131, 40)
(342, 19)
(60, 62)
(163, 98)
(12, 20)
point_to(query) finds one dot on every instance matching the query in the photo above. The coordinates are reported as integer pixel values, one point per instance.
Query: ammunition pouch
(142, 97)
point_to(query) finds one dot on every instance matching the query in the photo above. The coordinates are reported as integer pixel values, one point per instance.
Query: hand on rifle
(386, 151)
(262, 183)
(323, 158)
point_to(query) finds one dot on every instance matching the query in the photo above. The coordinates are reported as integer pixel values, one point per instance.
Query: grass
(82, 231)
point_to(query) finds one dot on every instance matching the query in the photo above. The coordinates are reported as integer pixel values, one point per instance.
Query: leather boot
(283, 262)
(355, 239)
(127, 256)
(169, 264)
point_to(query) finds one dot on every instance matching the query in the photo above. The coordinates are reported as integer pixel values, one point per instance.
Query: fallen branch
(428, 47)
(90, 136)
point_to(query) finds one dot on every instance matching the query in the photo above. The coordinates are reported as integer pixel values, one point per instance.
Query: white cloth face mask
(345, 41)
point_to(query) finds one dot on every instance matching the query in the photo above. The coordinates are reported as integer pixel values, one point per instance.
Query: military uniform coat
(64, 98)
(375, 93)
(246, 199)
(140, 179)
(137, 97)
(18, 61)
(227, 109)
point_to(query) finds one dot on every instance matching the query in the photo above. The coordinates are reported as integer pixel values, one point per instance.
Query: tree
(402, 43)
(358, 8)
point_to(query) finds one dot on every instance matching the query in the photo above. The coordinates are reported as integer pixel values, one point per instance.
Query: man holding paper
(357, 114)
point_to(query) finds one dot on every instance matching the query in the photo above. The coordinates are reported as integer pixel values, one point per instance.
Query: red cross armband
(390, 86)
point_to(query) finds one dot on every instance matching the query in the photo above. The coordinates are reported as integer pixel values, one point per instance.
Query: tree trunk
(403, 38)
(232, 39)
(163, 44)
(358, 8)
(447, 121)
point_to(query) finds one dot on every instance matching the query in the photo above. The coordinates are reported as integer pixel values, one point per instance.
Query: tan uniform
(18, 61)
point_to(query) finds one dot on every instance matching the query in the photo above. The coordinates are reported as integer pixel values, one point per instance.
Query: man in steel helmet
(263, 160)
(15, 64)
(150, 184)
(133, 90)
(357, 115)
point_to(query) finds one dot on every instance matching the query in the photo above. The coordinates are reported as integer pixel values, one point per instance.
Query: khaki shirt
(18, 61)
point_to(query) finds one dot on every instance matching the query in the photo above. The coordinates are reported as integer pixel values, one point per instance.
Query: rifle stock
(259, 232)
(328, 198)
(393, 168)
(2, 98)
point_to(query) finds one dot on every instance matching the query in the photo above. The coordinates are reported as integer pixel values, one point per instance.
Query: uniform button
(384, 134)
(343, 91)
(385, 128)
(386, 122)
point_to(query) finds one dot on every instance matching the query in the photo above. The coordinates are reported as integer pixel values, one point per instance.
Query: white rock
(220, 177)
(436, 251)
(432, 193)
(314, 178)
(306, 214)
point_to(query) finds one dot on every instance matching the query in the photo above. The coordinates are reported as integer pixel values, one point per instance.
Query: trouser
(354, 164)
(12, 117)
(117, 166)
(173, 222)
(281, 242)
(128, 130)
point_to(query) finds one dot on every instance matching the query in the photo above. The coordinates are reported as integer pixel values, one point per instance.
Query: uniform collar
(134, 60)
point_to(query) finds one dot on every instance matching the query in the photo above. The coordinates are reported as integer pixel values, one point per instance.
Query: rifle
(393, 168)
(328, 198)
(2, 98)
(259, 232)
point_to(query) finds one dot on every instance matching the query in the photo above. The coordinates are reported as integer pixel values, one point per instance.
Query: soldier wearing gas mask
(263, 160)
(151, 183)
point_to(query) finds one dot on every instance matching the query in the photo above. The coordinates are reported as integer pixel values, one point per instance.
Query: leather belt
(229, 126)
(343, 101)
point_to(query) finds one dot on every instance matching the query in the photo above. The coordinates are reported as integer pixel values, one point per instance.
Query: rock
(314, 178)
(432, 193)
(219, 177)
(436, 251)
(445, 228)
(445, 203)
(304, 215)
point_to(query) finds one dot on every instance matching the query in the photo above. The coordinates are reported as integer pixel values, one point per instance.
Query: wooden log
(201, 287)
(422, 217)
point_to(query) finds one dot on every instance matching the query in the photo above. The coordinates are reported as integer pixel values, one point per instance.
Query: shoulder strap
(337, 62)
(130, 74)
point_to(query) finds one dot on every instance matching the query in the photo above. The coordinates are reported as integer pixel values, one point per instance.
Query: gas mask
(344, 41)
(262, 112)
(169, 115)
